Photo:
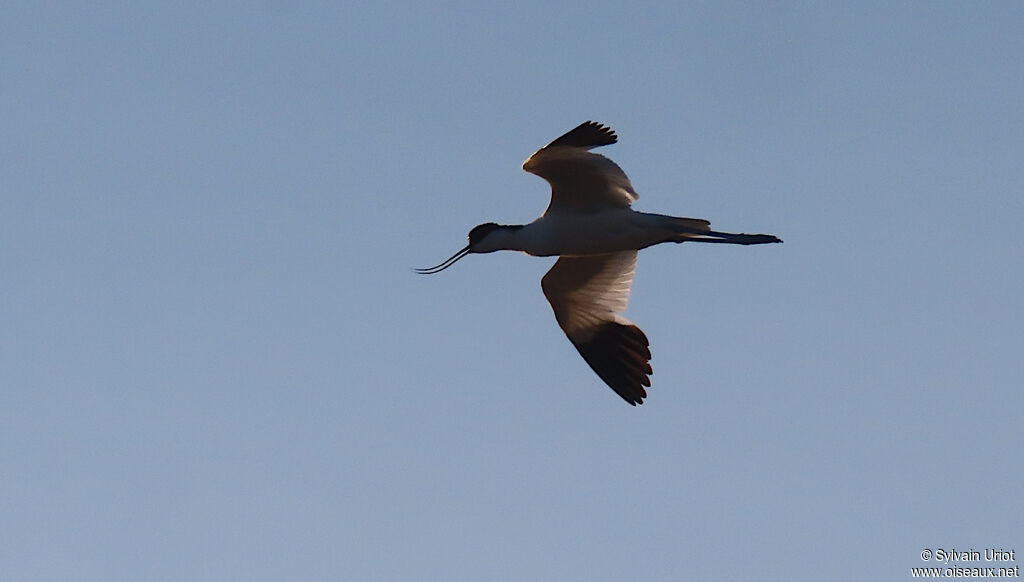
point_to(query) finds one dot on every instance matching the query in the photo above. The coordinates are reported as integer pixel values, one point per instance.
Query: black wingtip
(588, 134)
(620, 355)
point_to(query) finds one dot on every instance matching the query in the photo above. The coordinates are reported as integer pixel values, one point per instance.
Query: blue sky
(216, 363)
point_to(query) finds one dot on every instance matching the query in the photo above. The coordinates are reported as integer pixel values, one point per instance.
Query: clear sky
(215, 363)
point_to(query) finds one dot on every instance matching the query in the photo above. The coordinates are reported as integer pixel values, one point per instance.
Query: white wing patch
(585, 292)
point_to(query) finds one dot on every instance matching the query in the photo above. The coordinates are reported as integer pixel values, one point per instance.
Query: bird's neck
(505, 238)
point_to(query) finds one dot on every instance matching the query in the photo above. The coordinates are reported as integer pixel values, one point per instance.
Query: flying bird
(592, 229)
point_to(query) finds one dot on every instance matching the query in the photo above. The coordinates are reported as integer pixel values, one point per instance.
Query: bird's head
(483, 238)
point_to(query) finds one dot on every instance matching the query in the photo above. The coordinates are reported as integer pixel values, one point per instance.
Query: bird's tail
(690, 225)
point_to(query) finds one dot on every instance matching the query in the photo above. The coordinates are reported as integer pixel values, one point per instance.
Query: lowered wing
(587, 295)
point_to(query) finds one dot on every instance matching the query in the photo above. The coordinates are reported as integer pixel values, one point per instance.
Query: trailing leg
(711, 236)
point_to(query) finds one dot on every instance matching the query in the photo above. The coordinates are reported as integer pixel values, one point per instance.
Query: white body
(570, 234)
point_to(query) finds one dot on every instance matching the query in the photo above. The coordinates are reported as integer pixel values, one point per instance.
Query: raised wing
(587, 295)
(582, 181)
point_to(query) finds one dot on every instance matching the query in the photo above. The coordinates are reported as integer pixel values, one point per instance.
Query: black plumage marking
(620, 355)
(588, 134)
